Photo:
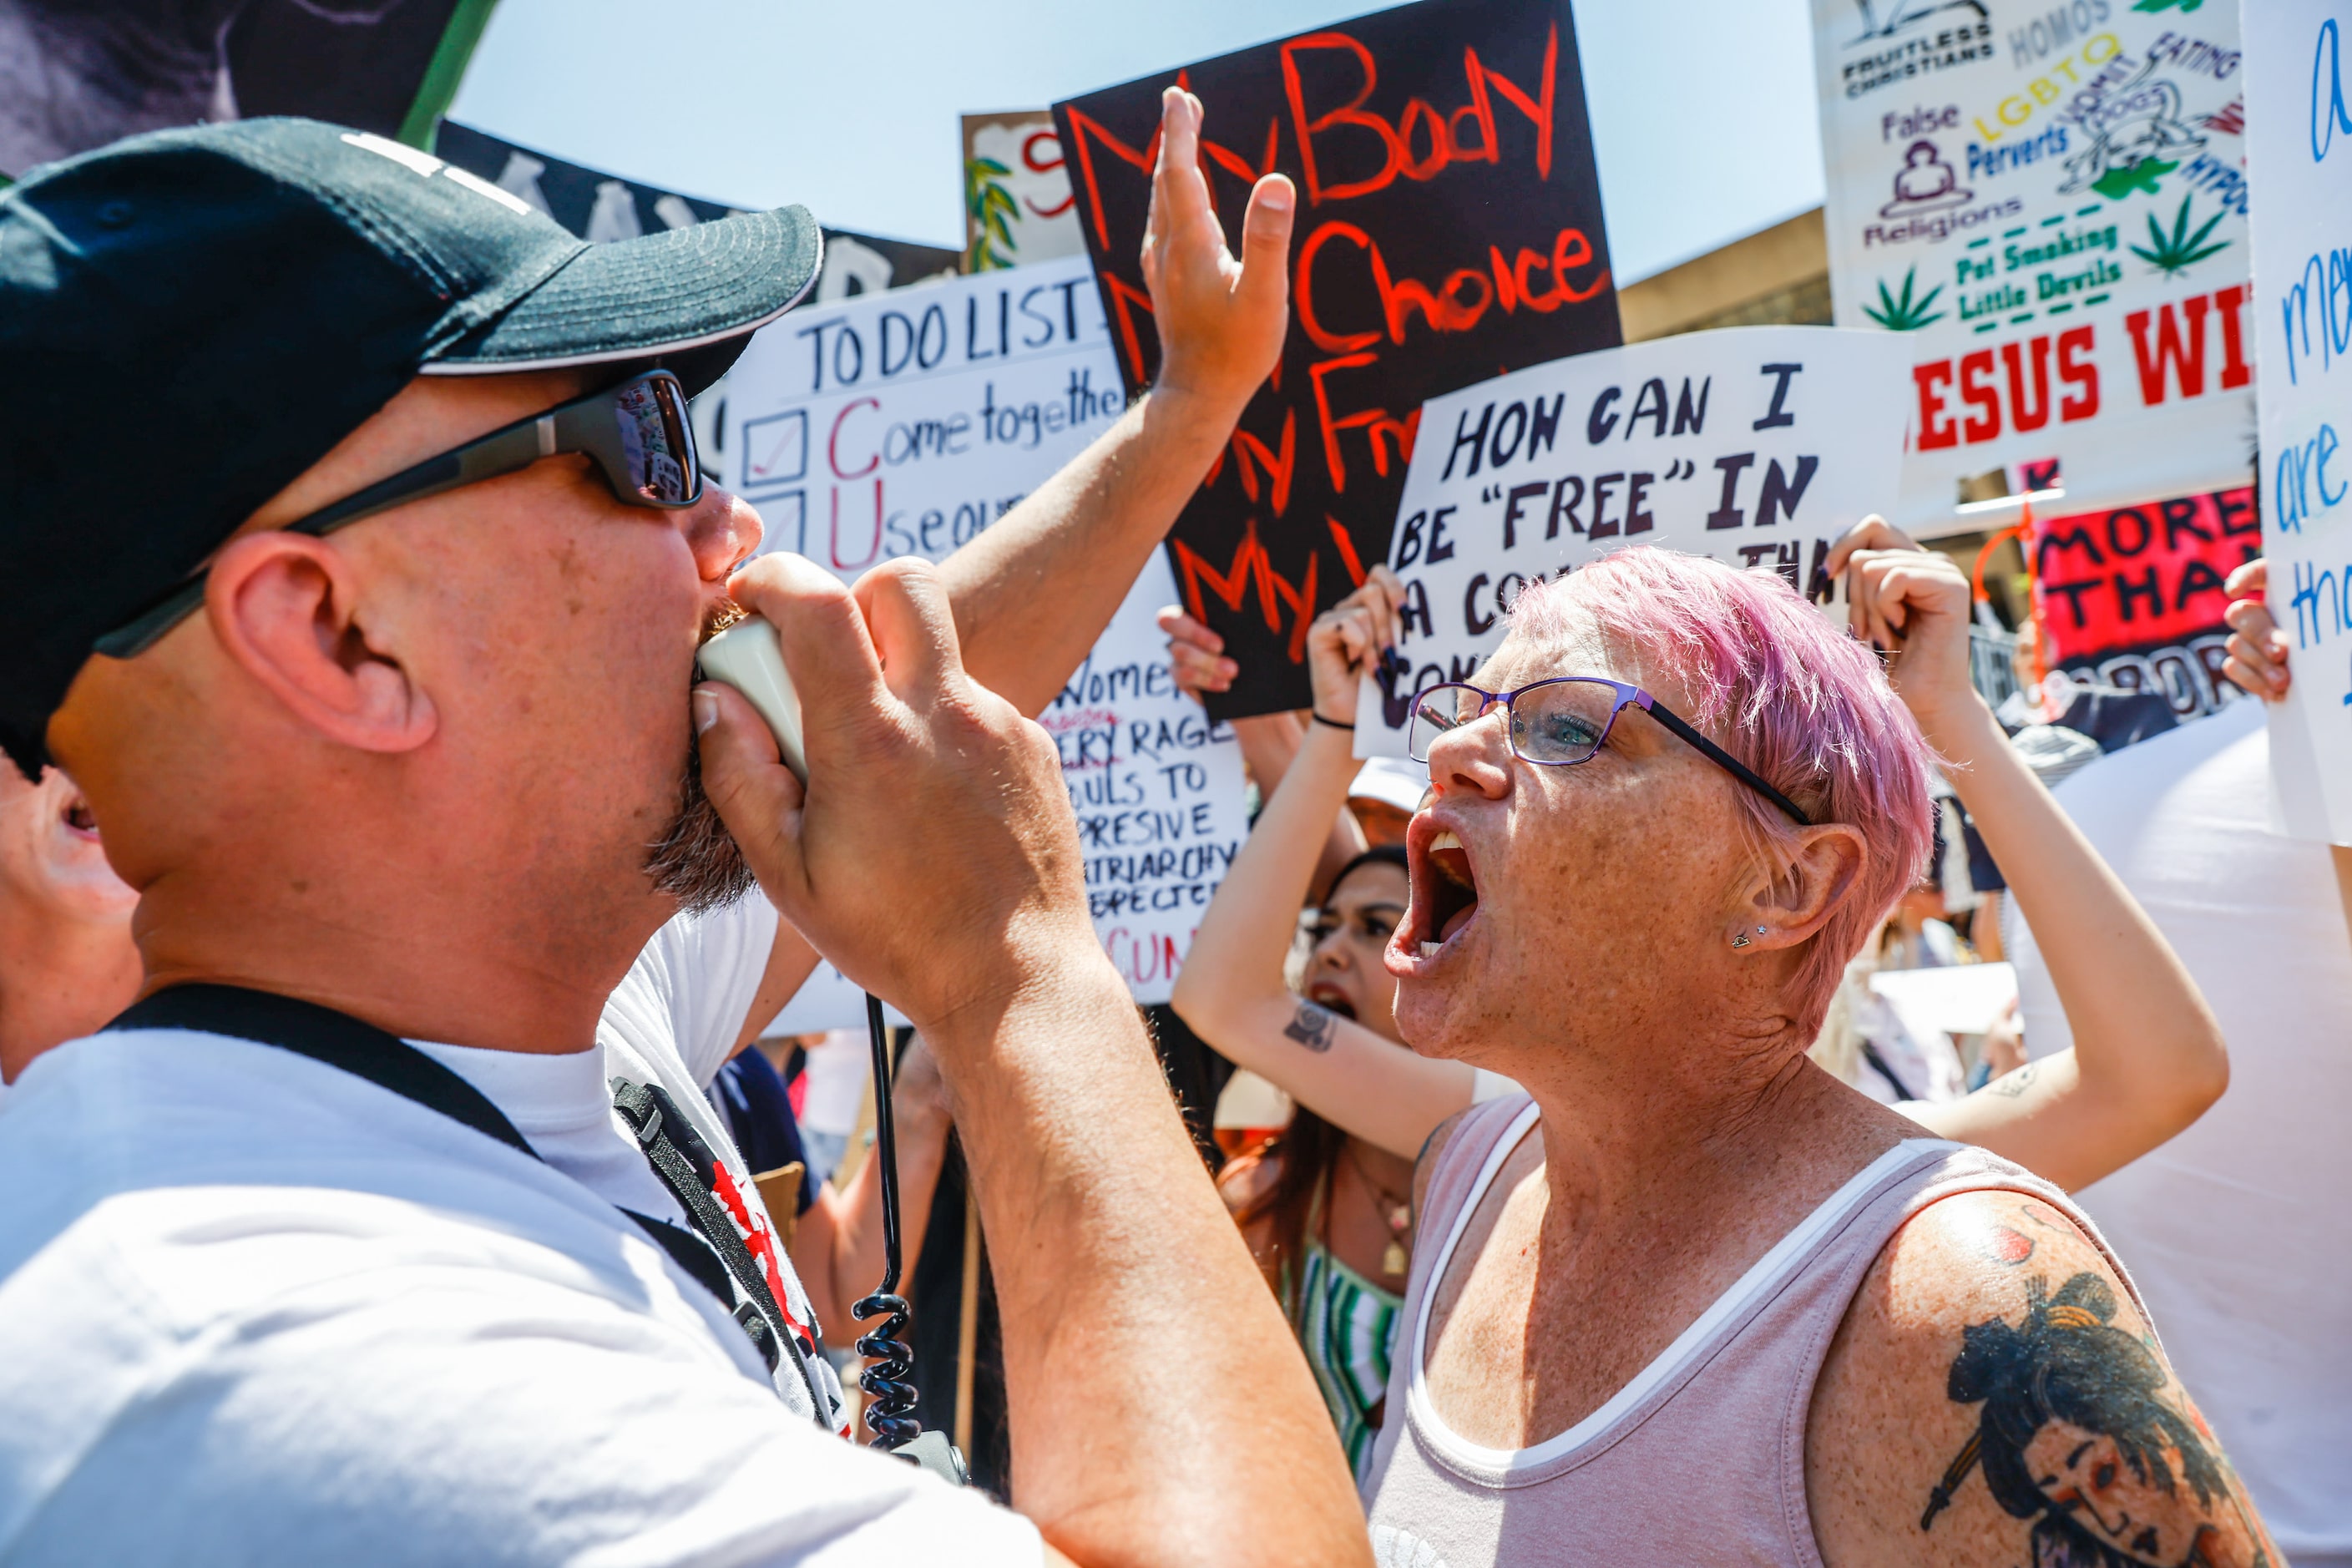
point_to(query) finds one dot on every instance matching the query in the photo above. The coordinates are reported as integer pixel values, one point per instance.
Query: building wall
(1775, 276)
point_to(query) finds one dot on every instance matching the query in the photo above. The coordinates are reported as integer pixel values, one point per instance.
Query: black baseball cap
(190, 319)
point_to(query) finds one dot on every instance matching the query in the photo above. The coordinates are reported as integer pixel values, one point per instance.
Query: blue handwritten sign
(2299, 138)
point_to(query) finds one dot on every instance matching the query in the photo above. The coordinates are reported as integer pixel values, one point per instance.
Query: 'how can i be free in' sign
(1757, 445)
(908, 424)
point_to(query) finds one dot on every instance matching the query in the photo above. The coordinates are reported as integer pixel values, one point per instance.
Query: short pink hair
(1796, 699)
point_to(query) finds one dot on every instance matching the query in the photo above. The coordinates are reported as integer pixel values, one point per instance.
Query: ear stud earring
(1739, 938)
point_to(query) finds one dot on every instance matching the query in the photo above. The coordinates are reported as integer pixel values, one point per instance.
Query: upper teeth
(1445, 841)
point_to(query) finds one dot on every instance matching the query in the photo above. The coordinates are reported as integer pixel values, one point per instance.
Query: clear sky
(1703, 111)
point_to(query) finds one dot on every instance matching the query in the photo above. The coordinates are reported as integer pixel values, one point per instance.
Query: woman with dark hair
(1326, 1214)
(1326, 1211)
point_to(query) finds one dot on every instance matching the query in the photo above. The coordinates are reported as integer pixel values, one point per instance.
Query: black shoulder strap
(323, 1034)
(384, 1058)
(693, 1254)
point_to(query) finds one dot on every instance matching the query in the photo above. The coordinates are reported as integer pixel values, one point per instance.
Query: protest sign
(905, 425)
(2049, 201)
(81, 76)
(1158, 789)
(1757, 445)
(1017, 205)
(1449, 228)
(2133, 597)
(2299, 128)
(602, 207)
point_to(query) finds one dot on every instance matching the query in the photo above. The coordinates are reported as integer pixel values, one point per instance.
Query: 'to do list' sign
(908, 423)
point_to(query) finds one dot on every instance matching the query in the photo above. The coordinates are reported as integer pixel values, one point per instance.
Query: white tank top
(1701, 1457)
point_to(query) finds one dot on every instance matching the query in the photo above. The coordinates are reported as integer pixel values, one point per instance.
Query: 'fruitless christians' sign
(1449, 229)
(2049, 200)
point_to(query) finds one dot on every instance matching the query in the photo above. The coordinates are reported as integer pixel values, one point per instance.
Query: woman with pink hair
(1689, 1298)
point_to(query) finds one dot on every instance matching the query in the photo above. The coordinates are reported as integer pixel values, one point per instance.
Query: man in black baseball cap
(354, 560)
(208, 311)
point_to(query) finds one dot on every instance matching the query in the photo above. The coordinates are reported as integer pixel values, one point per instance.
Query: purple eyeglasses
(1561, 722)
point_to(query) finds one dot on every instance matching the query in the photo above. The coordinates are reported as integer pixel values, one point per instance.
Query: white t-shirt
(253, 1307)
(2238, 1232)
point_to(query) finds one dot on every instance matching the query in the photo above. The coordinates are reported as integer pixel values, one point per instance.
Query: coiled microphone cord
(889, 1397)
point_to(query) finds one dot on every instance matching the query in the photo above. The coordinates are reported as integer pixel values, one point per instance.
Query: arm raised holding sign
(1335, 1049)
(2147, 1057)
(1269, 741)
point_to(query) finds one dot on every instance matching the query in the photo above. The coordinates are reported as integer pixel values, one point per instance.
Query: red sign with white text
(2134, 596)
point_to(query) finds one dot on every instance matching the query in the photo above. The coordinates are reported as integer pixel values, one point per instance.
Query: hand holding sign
(1757, 445)
(1345, 644)
(1221, 320)
(1913, 603)
(2257, 648)
(1196, 656)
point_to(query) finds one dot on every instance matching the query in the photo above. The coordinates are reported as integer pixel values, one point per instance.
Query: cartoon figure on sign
(1901, 13)
(2136, 134)
(2075, 1434)
(1925, 184)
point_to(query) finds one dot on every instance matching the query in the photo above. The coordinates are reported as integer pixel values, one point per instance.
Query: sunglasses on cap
(638, 433)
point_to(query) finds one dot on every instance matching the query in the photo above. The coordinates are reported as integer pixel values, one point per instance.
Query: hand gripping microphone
(747, 657)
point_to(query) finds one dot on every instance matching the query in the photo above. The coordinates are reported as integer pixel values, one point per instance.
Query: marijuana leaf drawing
(991, 206)
(2173, 254)
(1904, 314)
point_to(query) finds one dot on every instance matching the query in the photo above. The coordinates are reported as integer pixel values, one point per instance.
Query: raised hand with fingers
(2257, 649)
(1916, 605)
(1347, 641)
(1220, 321)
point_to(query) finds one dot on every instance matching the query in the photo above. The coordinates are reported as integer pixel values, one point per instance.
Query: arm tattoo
(1312, 1026)
(2016, 1081)
(2075, 1435)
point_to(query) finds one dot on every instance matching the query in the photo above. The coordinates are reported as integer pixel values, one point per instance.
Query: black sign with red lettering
(1449, 230)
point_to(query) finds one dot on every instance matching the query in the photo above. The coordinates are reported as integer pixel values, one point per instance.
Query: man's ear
(284, 607)
(1786, 908)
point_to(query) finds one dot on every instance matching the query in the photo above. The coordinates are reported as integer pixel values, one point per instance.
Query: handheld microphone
(746, 655)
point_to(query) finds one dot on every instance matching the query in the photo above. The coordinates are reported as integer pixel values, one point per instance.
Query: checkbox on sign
(775, 451)
(783, 517)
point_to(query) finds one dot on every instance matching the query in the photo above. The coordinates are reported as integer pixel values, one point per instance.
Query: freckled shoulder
(1994, 1396)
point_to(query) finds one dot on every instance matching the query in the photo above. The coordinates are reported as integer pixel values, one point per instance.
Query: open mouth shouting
(1331, 998)
(1445, 897)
